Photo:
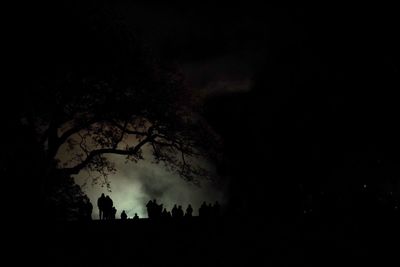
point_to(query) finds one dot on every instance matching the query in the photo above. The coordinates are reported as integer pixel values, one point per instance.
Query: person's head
(102, 194)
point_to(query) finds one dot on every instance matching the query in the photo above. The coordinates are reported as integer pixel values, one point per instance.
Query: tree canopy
(88, 87)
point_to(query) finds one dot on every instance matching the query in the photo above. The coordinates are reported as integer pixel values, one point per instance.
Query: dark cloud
(217, 46)
(194, 33)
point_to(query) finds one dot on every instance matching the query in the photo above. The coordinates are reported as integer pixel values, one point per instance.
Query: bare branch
(98, 152)
(123, 131)
(127, 131)
(68, 133)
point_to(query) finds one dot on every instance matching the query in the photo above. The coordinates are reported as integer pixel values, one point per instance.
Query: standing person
(123, 215)
(100, 205)
(189, 211)
(180, 212)
(88, 209)
(113, 212)
(108, 207)
(150, 209)
(203, 210)
(175, 211)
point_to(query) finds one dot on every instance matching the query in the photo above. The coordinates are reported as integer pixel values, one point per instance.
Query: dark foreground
(195, 242)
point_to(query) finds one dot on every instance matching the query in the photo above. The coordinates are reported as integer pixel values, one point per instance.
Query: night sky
(304, 98)
(293, 110)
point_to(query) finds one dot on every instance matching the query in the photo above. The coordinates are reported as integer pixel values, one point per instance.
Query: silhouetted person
(180, 212)
(150, 209)
(164, 214)
(203, 210)
(189, 211)
(123, 215)
(175, 212)
(136, 217)
(113, 213)
(158, 210)
(88, 209)
(100, 205)
(108, 207)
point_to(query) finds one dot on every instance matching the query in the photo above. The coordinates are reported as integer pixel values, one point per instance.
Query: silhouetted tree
(87, 111)
(65, 201)
(99, 91)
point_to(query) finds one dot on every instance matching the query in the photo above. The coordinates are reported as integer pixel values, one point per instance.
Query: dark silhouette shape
(113, 213)
(88, 208)
(101, 206)
(158, 210)
(180, 212)
(123, 215)
(322, 108)
(150, 209)
(82, 209)
(164, 213)
(108, 208)
(203, 210)
(114, 91)
(154, 210)
(189, 211)
(175, 212)
(216, 209)
(136, 217)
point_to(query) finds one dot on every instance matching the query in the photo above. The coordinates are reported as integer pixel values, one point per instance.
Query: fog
(134, 184)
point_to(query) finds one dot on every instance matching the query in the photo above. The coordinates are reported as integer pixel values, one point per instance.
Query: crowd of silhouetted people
(107, 211)
(106, 207)
(156, 211)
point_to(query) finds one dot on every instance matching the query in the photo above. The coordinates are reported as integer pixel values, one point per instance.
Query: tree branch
(125, 129)
(74, 130)
(131, 151)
